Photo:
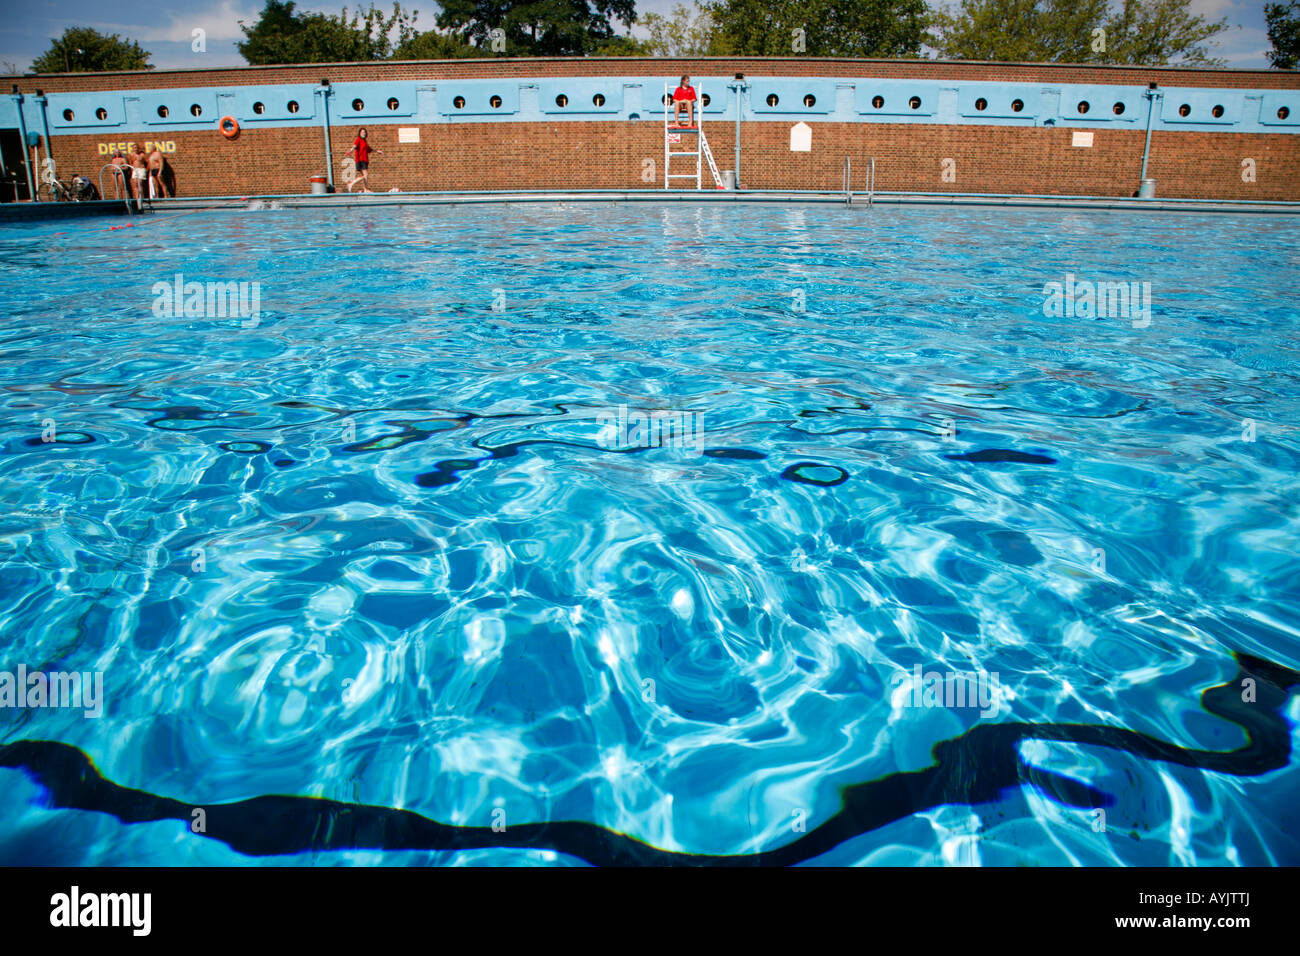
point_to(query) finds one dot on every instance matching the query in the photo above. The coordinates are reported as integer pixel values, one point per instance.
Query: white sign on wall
(1082, 137)
(801, 138)
(408, 134)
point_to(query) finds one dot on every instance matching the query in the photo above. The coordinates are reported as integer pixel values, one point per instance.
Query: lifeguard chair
(701, 152)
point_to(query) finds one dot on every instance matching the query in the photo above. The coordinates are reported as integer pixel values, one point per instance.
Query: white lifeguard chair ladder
(701, 152)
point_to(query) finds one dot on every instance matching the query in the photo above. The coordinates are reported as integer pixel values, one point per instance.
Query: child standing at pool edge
(361, 151)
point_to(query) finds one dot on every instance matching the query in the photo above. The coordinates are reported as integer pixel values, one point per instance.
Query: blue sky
(166, 29)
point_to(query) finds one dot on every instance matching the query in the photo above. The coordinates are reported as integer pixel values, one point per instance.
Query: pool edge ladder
(701, 150)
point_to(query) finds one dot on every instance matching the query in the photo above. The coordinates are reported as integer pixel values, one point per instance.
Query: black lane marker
(976, 767)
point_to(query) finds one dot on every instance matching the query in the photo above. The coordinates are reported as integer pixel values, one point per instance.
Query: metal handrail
(116, 186)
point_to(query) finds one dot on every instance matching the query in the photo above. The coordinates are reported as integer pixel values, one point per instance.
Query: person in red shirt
(361, 151)
(684, 102)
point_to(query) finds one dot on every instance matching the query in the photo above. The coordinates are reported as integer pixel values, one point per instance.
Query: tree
(281, 35)
(684, 32)
(83, 50)
(1284, 33)
(538, 27)
(1139, 32)
(435, 45)
(875, 28)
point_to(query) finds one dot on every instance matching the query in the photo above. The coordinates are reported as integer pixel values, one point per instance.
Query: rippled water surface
(383, 544)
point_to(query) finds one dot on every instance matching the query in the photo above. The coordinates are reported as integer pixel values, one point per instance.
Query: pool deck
(12, 212)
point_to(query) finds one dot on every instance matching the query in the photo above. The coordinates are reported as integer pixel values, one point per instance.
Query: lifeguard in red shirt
(684, 102)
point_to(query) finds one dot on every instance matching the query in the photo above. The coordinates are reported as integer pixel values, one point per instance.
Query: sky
(166, 30)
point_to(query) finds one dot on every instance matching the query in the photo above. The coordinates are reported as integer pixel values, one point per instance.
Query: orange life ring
(229, 127)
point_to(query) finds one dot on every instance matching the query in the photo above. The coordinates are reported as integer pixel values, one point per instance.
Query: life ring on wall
(229, 127)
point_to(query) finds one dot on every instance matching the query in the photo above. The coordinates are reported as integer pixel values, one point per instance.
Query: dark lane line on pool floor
(974, 768)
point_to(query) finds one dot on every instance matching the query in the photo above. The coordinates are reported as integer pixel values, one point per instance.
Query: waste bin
(318, 186)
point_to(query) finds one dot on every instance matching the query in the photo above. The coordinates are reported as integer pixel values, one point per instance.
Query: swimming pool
(660, 523)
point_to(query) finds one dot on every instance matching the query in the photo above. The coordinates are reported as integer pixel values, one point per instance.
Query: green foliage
(435, 45)
(1139, 32)
(83, 50)
(868, 28)
(1284, 32)
(281, 35)
(684, 32)
(538, 27)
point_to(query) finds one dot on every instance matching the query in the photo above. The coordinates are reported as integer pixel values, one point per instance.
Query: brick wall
(612, 154)
(643, 66)
(604, 155)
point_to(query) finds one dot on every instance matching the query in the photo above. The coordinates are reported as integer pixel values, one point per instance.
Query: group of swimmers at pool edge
(147, 170)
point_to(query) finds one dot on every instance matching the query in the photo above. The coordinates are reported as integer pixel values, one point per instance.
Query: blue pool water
(383, 541)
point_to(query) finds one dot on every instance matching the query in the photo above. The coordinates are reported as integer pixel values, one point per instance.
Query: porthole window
(981, 104)
(1283, 112)
(598, 99)
(358, 105)
(163, 111)
(196, 110)
(293, 106)
(705, 99)
(914, 102)
(810, 101)
(67, 115)
(1083, 106)
(1119, 109)
(392, 103)
(773, 99)
(1184, 110)
(562, 101)
(259, 107)
(877, 102)
(1017, 106)
(101, 114)
(1216, 112)
(459, 102)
